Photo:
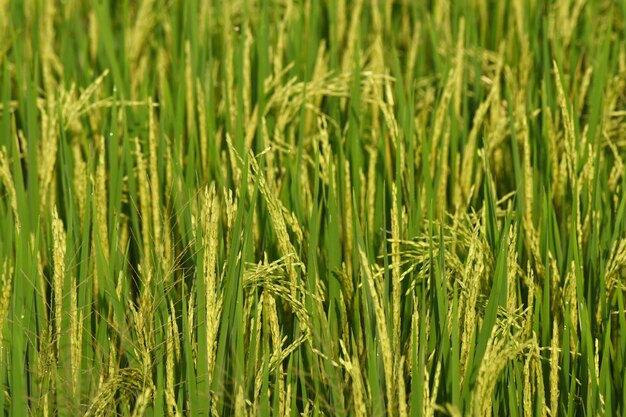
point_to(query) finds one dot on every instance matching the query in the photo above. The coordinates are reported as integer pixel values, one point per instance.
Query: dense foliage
(312, 207)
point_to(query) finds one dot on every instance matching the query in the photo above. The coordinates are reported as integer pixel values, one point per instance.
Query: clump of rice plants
(312, 208)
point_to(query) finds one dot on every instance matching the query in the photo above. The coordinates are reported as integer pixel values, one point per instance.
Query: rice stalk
(382, 331)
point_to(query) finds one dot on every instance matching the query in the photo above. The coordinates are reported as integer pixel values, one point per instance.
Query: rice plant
(312, 208)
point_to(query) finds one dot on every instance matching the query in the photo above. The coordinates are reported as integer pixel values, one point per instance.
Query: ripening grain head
(312, 208)
(7, 181)
(5, 300)
(58, 237)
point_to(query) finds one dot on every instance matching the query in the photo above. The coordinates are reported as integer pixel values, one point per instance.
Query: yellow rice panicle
(211, 219)
(5, 299)
(359, 395)
(101, 198)
(440, 119)
(58, 236)
(7, 180)
(554, 367)
(144, 200)
(352, 37)
(347, 224)
(155, 194)
(275, 209)
(170, 363)
(204, 147)
(189, 92)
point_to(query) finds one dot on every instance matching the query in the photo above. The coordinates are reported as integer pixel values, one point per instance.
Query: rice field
(312, 208)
